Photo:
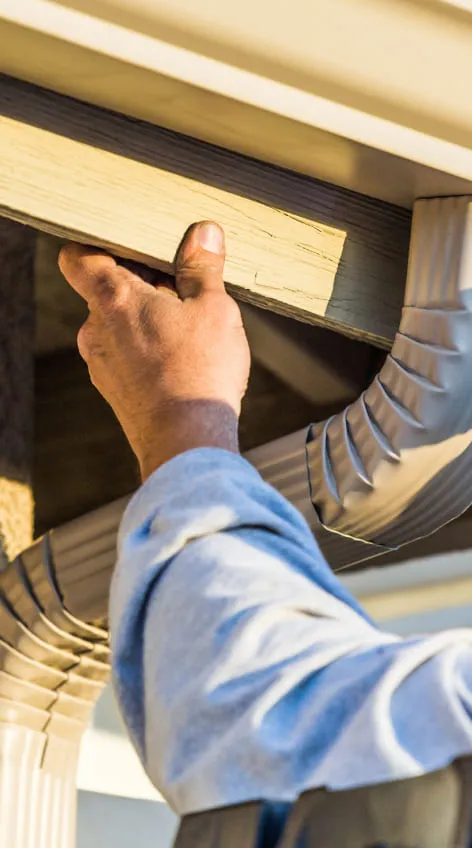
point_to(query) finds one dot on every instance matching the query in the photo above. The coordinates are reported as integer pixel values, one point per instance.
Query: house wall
(108, 821)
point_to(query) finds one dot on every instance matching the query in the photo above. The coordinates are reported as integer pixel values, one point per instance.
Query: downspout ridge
(50, 679)
(422, 406)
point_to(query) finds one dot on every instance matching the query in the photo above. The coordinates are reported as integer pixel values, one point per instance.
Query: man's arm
(243, 668)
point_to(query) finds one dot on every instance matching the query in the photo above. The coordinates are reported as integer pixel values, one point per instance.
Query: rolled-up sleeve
(244, 669)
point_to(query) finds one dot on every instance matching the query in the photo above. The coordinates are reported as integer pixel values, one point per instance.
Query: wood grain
(297, 246)
(318, 364)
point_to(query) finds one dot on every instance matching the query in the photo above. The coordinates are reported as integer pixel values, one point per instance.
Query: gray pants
(431, 811)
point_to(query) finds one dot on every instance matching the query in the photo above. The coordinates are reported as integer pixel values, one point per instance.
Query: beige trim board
(429, 584)
(334, 90)
(306, 249)
(418, 599)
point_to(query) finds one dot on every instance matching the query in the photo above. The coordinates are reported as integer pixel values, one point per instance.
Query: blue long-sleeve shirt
(243, 668)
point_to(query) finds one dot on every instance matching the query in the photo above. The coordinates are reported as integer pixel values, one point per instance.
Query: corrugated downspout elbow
(396, 464)
(53, 668)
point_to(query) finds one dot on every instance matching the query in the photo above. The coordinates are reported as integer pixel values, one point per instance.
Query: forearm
(242, 666)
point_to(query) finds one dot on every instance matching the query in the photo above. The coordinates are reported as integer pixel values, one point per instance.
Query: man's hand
(173, 365)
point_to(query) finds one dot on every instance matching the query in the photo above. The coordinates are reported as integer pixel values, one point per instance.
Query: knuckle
(85, 342)
(118, 303)
(113, 292)
(196, 266)
(105, 286)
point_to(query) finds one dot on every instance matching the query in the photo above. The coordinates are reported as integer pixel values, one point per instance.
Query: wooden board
(318, 364)
(295, 245)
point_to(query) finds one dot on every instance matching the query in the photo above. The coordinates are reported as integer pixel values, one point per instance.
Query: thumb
(200, 260)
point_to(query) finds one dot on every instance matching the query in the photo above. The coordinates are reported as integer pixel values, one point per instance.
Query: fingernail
(211, 237)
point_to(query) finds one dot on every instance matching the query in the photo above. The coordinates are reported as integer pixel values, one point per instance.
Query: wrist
(187, 425)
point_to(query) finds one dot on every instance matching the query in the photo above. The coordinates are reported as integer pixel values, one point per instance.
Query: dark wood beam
(17, 246)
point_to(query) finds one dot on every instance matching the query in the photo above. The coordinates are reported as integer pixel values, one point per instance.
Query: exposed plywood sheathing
(303, 248)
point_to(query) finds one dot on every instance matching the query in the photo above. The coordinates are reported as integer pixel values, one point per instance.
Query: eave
(370, 96)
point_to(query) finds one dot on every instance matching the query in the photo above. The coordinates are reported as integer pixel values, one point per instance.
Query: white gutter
(396, 125)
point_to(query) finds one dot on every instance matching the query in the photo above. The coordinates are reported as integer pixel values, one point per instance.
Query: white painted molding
(420, 586)
(305, 85)
(109, 764)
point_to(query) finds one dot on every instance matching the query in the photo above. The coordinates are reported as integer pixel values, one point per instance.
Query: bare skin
(172, 364)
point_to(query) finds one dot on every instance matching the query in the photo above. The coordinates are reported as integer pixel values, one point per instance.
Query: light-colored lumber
(321, 366)
(449, 594)
(303, 248)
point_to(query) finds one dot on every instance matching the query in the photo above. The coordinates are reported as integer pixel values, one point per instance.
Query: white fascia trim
(134, 48)
(432, 584)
